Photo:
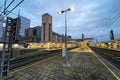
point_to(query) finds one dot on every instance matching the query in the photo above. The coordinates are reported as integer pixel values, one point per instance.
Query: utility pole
(10, 37)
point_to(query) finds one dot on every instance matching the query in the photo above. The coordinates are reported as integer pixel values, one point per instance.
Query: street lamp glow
(16, 45)
(64, 11)
(72, 8)
(59, 12)
(1, 45)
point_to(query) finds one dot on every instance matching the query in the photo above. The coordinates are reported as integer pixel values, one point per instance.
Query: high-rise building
(25, 23)
(46, 28)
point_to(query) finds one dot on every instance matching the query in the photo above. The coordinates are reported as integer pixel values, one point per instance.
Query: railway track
(23, 61)
(110, 55)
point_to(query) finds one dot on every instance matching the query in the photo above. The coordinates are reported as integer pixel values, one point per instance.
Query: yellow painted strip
(112, 72)
(32, 65)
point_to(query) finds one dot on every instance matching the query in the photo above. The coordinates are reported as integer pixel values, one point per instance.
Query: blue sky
(91, 17)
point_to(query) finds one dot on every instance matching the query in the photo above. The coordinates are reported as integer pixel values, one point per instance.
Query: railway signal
(11, 36)
(15, 30)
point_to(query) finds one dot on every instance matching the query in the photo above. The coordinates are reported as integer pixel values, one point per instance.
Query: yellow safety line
(112, 72)
(31, 65)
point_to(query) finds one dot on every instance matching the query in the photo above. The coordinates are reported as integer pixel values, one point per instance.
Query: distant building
(29, 35)
(69, 38)
(25, 24)
(37, 31)
(33, 34)
(46, 28)
(27, 32)
(60, 38)
(57, 37)
(111, 35)
(83, 37)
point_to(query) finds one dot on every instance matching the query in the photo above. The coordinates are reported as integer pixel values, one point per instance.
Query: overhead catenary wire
(12, 10)
(2, 5)
(109, 16)
(6, 7)
(114, 8)
(31, 21)
(113, 20)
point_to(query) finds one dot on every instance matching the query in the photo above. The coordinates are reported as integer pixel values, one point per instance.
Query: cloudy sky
(93, 18)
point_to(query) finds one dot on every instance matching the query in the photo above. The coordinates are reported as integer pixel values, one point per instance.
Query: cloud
(87, 17)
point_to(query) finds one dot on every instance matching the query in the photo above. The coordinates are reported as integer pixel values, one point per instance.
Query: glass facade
(37, 31)
(25, 23)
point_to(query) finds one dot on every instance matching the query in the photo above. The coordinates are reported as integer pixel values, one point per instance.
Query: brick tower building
(46, 28)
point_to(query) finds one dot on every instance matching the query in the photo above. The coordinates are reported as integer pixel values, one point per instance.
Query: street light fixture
(69, 9)
(66, 64)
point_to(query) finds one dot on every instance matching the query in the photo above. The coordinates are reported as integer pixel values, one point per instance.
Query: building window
(35, 32)
(49, 31)
(43, 31)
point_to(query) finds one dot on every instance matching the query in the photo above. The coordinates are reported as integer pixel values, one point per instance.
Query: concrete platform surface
(83, 66)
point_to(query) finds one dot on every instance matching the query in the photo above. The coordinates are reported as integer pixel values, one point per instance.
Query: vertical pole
(5, 7)
(66, 54)
(4, 42)
(18, 26)
(65, 30)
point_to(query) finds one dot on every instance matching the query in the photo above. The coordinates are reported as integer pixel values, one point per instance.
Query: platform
(83, 66)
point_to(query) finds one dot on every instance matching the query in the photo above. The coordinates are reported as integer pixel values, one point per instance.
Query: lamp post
(66, 64)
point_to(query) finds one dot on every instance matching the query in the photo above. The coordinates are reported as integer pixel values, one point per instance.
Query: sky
(93, 18)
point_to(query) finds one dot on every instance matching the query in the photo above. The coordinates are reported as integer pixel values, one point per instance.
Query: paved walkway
(84, 66)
